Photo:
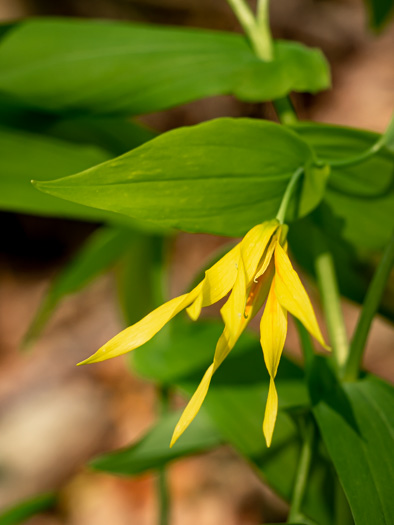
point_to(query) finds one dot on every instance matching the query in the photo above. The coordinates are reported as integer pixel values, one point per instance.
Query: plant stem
(352, 161)
(326, 277)
(258, 32)
(302, 472)
(306, 343)
(285, 111)
(370, 306)
(281, 215)
(162, 486)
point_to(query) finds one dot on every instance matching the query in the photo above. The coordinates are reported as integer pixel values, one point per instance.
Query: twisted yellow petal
(141, 332)
(271, 413)
(292, 295)
(235, 320)
(218, 281)
(273, 330)
(253, 246)
(194, 405)
(244, 302)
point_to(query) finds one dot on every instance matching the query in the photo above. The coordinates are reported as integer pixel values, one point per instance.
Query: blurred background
(54, 417)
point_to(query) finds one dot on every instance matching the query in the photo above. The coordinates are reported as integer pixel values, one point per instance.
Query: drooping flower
(256, 270)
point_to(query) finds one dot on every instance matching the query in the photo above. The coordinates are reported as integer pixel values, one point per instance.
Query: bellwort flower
(256, 271)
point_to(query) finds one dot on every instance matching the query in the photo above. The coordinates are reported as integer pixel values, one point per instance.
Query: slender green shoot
(369, 309)
(328, 286)
(258, 32)
(281, 215)
(302, 474)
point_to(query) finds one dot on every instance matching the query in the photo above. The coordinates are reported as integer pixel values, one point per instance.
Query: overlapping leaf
(222, 176)
(360, 197)
(94, 67)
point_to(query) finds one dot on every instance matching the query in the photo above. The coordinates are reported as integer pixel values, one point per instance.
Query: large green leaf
(357, 425)
(361, 197)
(222, 176)
(152, 451)
(101, 250)
(114, 134)
(115, 67)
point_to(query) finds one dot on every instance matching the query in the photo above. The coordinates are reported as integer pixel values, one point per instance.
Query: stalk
(257, 30)
(281, 215)
(328, 287)
(370, 306)
(302, 472)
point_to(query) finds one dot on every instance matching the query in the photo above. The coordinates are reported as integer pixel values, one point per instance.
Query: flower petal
(141, 332)
(292, 295)
(271, 412)
(218, 281)
(273, 330)
(193, 406)
(254, 244)
(233, 313)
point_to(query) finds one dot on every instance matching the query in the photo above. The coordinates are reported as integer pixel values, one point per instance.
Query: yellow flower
(255, 270)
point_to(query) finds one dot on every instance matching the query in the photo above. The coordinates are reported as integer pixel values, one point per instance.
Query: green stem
(281, 215)
(352, 161)
(370, 306)
(306, 343)
(258, 31)
(302, 472)
(326, 276)
(162, 485)
(285, 111)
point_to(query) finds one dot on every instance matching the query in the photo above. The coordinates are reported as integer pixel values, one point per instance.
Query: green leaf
(113, 134)
(360, 197)
(222, 176)
(357, 426)
(84, 66)
(152, 451)
(101, 250)
(379, 11)
(26, 509)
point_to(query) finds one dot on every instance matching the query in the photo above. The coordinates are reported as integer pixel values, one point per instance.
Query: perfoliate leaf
(361, 196)
(112, 67)
(222, 176)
